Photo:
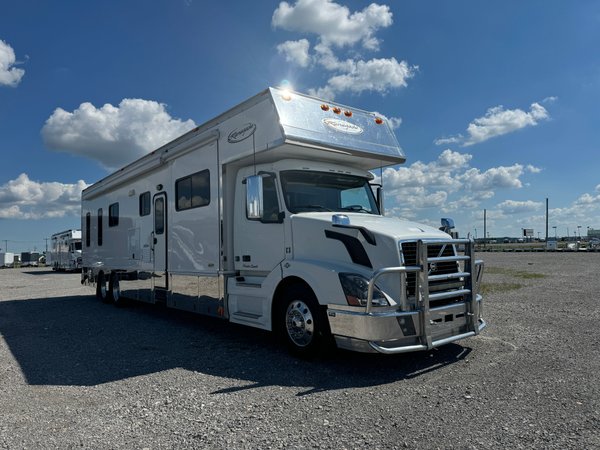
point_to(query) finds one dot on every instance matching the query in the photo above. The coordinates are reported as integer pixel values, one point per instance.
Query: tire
(302, 322)
(101, 291)
(114, 290)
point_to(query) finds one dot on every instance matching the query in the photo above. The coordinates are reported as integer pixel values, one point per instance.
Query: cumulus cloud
(379, 75)
(338, 30)
(23, 198)
(9, 75)
(296, 52)
(449, 184)
(113, 135)
(498, 121)
(333, 22)
(518, 207)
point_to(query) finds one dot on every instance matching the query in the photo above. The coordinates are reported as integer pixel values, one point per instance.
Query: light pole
(555, 238)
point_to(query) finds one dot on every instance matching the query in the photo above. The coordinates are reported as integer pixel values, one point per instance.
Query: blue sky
(495, 104)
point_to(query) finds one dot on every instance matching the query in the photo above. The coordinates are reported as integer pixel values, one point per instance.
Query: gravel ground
(78, 373)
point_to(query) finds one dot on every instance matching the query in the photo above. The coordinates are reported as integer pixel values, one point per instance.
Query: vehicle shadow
(80, 341)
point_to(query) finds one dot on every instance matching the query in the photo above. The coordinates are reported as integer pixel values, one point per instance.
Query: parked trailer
(30, 259)
(65, 251)
(266, 216)
(7, 259)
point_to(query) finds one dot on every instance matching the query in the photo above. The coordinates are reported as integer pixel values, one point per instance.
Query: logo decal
(241, 133)
(343, 126)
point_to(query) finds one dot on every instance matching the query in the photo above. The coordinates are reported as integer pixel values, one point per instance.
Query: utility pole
(484, 226)
(546, 219)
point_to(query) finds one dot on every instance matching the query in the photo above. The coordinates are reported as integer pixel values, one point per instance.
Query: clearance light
(378, 120)
(348, 113)
(325, 107)
(337, 110)
(286, 95)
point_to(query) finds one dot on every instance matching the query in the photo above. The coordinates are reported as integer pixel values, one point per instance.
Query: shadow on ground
(80, 341)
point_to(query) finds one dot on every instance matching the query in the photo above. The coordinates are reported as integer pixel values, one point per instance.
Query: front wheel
(303, 324)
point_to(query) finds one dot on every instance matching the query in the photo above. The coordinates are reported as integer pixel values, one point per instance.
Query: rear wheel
(302, 323)
(101, 291)
(114, 290)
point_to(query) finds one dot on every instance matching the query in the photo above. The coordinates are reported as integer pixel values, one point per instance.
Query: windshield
(306, 191)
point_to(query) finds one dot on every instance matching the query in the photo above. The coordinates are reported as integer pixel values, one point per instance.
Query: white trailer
(265, 216)
(7, 259)
(65, 251)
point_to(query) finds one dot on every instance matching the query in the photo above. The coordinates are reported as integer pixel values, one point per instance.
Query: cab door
(259, 244)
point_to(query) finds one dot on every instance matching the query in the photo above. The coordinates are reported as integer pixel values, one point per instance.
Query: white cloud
(498, 121)
(296, 52)
(450, 185)
(113, 135)
(379, 75)
(338, 30)
(394, 122)
(23, 198)
(517, 207)
(497, 177)
(9, 75)
(332, 22)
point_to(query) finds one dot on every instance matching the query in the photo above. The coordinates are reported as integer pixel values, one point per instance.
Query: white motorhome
(65, 251)
(266, 216)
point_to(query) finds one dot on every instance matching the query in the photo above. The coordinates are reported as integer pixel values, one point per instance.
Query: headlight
(356, 288)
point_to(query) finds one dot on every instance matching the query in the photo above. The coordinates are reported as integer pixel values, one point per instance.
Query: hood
(394, 228)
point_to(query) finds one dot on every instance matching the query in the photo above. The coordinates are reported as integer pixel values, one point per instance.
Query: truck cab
(315, 258)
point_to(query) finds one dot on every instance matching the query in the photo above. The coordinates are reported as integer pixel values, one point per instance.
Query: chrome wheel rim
(116, 290)
(299, 323)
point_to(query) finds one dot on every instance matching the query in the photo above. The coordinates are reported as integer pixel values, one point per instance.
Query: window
(100, 227)
(88, 226)
(145, 204)
(113, 215)
(193, 191)
(306, 191)
(159, 215)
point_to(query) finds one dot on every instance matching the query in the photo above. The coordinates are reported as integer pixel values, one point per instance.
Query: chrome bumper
(405, 328)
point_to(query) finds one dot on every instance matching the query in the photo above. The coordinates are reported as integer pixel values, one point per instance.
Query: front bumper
(393, 332)
(429, 320)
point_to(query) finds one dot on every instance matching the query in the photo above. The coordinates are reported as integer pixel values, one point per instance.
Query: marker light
(337, 110)
(348, 113)
(325, 107)
(286, 95)
(378, 120)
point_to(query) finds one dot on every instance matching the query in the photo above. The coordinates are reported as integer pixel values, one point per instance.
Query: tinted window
(145, 204)
(113, 215)
(193, 191)
(159, 215)
(100, 227)
(88, 226)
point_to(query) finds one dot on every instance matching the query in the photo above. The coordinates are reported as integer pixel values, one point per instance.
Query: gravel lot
(78, 373)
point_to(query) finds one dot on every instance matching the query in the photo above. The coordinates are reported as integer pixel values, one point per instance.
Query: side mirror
(254, 197)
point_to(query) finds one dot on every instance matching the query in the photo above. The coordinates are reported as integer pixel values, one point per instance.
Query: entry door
(159, 248)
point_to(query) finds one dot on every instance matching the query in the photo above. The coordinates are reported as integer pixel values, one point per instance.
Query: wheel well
(279, 296)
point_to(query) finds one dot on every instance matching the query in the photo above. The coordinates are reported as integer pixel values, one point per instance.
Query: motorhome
(268, 216)
(65, 251)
